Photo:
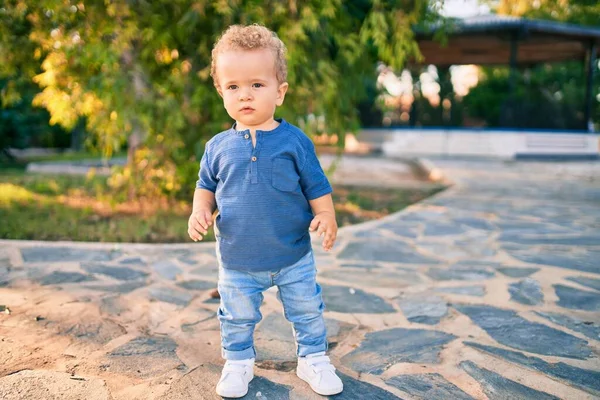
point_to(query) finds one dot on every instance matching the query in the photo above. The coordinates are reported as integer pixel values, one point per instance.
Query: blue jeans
(242, 294)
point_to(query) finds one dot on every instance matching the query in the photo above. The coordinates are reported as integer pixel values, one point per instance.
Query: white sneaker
(235, 378)
(317, 371)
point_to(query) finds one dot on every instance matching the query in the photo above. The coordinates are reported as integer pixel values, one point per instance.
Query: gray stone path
(490, 289)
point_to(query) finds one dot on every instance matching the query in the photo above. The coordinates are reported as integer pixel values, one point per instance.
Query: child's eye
(232, 87)
(257, 85)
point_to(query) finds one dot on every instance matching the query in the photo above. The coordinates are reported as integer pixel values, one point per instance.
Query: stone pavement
(490, 289)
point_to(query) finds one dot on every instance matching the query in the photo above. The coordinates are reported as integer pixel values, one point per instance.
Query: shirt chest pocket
(284, 176)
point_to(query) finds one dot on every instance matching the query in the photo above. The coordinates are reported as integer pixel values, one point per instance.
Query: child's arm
(202, 211)
(324, 221)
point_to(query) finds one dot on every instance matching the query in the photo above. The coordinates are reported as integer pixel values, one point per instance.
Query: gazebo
(500, 40)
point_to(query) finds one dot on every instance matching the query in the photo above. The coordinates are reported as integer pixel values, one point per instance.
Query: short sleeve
(313, 181)
(206, 178)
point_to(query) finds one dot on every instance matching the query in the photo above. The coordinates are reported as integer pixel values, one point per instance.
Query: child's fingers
(208, 218)
(322, 229)
(314, 224)
(201, 220)
(196, 230)
(194, 234)
(329, 239)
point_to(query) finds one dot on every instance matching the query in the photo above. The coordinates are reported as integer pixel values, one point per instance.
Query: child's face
(249, 87)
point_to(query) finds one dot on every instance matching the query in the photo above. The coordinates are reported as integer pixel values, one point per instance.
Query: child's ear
(281, 90)
(219, 91)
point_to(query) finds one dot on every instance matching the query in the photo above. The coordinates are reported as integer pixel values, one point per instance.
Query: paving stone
(357, 265)
(401, 229)
(475, 223)
(166, 269)
(585, 281)
(350, 300)
(585, 379)
(119, 273)
(132, 261)
(396, 278)
(66, 254)
(120, 288)
(497, 387)
(420, 215)
(425, 309)
(275, 327)
(170, 295)
(208, 270)
(586, 262)
(262, 388)
(369, 234)
(383, 250)
(514, 272)
(509, 329)
(188, 261)
(478, 248)
(527, 291)
(5, 272)
(482, 264)
(443, 229)
(355, 389)
(478, 291)
(380, 350)
(427, 387)
(145, 356)
(519, 228)
(459, 274)
(156, 346)
(58, 277)
(197, 285)
(577, 299)
(100, 332)
(580, 240)
(113, 305)
(448, 250)
(590, 329)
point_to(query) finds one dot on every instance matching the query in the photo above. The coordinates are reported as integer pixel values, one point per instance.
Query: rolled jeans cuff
(238, 355)
(304, 350)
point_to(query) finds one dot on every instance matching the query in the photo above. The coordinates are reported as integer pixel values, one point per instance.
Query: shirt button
(253, 158)
(246, 136)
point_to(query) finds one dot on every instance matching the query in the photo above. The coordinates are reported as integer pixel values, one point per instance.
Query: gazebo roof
(486, 40)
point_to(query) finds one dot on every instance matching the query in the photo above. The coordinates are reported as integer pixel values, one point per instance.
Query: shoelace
(320, 363)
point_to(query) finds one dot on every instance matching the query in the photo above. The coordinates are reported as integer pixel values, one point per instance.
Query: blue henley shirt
(262, 193)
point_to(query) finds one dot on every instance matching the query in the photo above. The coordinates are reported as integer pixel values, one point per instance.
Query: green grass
(48, 207)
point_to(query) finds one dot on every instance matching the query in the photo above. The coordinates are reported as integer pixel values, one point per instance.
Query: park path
(490, 289)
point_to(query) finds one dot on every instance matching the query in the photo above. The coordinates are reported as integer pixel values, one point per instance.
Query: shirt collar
(280, 127)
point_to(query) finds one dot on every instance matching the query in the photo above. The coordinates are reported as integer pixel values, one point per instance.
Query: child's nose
(245, 95)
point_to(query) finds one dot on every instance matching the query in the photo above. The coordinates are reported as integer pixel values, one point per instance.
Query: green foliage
(22, 125)
(143, 67)
(546, 97)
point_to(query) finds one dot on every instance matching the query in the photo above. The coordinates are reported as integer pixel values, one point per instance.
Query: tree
(141, 68)
(21, 125)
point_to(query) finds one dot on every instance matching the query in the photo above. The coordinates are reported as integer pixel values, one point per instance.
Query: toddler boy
(266, 181)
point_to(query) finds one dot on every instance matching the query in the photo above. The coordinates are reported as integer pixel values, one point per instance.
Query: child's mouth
(247, 110)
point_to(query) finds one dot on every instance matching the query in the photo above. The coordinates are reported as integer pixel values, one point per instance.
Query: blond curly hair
(250, 37)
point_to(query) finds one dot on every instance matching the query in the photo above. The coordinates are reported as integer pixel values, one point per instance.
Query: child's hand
(324, 223)
(198, 224)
